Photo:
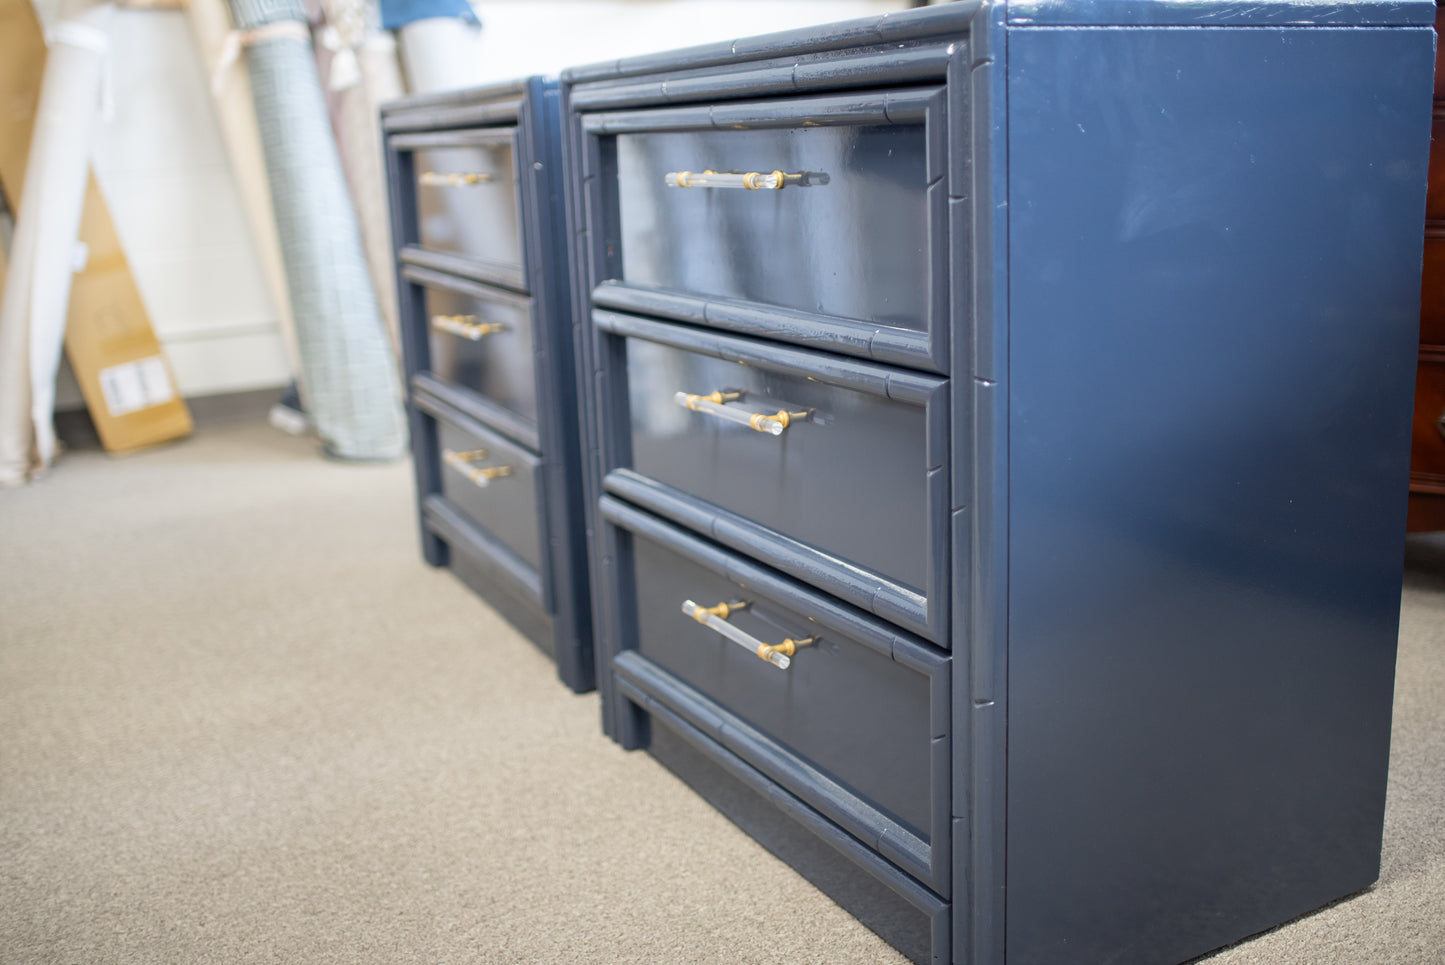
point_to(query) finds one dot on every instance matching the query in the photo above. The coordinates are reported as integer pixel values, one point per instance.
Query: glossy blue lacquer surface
(1214, 253)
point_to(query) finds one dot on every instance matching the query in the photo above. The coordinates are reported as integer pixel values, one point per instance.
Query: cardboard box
(124, 377)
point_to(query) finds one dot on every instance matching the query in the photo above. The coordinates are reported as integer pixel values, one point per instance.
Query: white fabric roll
(45, 251)
(440, 53)
(235, 109)
(364, 73)
(380, 82)
(17, 438)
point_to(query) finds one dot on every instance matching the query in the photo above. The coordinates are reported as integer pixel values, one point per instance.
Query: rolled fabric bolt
(44, 248)
(362, 72)
(439, 53)
(380, 82)
(210, 22)
(348, 374)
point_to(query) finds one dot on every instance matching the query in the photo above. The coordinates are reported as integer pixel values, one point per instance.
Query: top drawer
(827, 225)
(467, 203)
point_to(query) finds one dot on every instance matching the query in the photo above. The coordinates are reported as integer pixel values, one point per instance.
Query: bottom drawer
(497, 485)
(856, 723)
(490, 572)
(493, 483)
(903, 913)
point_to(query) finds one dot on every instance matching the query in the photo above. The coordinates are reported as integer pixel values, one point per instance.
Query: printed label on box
(136, 385)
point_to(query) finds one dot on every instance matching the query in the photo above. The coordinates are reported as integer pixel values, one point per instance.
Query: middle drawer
(830, 469)
(481, 339)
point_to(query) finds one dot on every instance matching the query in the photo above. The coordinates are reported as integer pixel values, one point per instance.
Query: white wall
(163, 168)
(166, 179)
(521, 37)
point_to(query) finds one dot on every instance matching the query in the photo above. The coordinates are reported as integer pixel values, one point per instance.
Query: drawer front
(862, 706)
(764, 245)
(1432, 288)
(491, 480)
(482, 340)
(466, 195)
(856, 479)
(492, 572)
(1427, 452)
(904, 913)
(1435, 192)
(850, 251)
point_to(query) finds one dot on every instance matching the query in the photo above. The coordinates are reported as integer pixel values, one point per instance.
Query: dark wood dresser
(1427, 451)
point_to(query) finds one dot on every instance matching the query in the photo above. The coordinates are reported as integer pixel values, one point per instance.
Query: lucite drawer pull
(452, 179)
(779, 655)
(466, 326)
(752, 180)
(462, 463)
(772, 423)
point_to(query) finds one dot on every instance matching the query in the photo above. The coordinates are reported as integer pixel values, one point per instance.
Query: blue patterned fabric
(349, 376)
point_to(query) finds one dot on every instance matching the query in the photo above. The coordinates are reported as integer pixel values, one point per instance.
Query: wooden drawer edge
(831, 333)
(424, 116)
(428, 140)
(872, 378)
(454, 528)
(490, 273)
(863, 588)
(453, 402)
(658, 692)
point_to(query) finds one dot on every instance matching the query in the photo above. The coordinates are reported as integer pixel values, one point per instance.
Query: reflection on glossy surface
(849, 478)
(507, 506)
(476, 220)
(1208, 372)
(499, 366)
(855, 246)
(850, 710)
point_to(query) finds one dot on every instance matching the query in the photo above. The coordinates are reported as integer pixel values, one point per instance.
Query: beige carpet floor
(240, 721)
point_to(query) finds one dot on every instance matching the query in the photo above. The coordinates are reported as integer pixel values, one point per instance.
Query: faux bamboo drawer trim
(903, 62)
(846, 336)
(867, 167)
(500, 103)
(482, 339)
(869, 446)
(503, 276)
(907, 106)
(466, 185)
(678, 716)
(852, 672)
(499, 486)
(499, 561)
(478, 408)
